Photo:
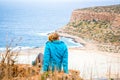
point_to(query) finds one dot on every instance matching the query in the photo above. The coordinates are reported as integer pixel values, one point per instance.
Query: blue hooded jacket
(55, 56)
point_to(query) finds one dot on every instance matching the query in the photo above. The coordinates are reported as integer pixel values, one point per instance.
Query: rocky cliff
(100, 24)
(106, 13)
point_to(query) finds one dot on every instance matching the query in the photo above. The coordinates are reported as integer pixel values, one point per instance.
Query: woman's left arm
(46, 58)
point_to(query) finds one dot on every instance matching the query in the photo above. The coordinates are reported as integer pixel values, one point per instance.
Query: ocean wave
(2, 49)
(71, 41)
(77, 44)
(18, 48)
(44, 33)
(21, 47)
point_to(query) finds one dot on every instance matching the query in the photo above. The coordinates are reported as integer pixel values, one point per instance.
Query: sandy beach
(87, 59)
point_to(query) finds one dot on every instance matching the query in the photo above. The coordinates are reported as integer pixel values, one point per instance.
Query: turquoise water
(31, 23)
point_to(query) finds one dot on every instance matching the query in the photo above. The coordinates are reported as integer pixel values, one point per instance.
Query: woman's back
(57, 49)
(55, 55)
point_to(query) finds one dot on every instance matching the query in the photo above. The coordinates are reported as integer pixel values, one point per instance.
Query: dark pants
(38, 60)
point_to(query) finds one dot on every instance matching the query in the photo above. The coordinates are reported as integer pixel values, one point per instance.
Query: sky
(56, 1)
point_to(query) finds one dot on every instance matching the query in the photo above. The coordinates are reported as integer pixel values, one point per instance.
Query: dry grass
(27, 72)
(11, 71)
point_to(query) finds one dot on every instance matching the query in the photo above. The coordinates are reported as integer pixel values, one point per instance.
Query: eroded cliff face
(100, 24)
(83, 15)
(91, 15)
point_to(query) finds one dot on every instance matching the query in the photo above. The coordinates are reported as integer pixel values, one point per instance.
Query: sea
(27, 24)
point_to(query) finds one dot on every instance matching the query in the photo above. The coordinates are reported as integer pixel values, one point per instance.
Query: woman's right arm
(65, 61)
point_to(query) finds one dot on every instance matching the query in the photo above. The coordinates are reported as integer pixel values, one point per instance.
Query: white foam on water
(44, 33)
(2, 49)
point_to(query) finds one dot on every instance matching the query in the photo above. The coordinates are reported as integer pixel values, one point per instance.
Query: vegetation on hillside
(96, 30)
(99, 31)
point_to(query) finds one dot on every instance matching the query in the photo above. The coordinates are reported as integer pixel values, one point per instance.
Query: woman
(55, 54)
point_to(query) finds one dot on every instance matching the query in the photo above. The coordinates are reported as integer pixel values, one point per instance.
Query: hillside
(97, 24)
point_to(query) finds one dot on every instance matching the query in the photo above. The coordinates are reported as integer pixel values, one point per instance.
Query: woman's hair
(53, 36)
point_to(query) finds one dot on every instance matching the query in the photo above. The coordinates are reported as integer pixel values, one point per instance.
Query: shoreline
(88, 56)
(86, 45)
(76, 39)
